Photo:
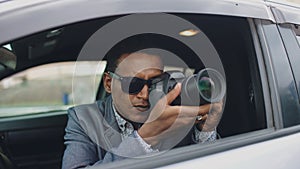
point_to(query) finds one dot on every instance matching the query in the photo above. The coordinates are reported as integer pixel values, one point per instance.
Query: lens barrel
(207, 86)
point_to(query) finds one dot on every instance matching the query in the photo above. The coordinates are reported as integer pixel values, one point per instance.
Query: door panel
(36, 141)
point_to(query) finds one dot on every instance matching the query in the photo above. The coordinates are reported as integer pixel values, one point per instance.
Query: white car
(52, 57)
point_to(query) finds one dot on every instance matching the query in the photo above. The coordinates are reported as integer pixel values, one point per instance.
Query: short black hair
(149, 40)
(127, 46)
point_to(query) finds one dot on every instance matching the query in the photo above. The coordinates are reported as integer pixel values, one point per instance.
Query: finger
(171, 96)
(203, 119)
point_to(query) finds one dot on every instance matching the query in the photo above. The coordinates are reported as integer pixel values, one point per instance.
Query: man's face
(134, 106)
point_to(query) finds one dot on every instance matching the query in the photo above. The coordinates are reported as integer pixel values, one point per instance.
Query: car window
(49, 87)
(291, 38)
(56, 71)
(227, 38)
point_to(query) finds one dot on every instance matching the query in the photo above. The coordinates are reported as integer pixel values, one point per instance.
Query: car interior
(35, 141)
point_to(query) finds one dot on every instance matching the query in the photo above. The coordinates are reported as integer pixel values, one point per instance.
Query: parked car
(52, 58)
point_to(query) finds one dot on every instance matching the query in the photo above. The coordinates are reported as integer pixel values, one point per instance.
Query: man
(126, 125)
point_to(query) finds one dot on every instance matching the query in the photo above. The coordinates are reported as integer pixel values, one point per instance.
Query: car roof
(38, 15)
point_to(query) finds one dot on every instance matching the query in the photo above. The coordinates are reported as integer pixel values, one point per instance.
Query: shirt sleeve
(132, 146)
(147, 147)
(203, 137)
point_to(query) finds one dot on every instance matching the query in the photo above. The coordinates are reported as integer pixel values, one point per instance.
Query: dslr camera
(207, 86)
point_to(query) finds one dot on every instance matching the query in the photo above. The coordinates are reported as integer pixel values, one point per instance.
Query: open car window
(63, 84)
(56, 70)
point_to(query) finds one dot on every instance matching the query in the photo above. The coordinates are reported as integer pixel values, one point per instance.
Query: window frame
(292, 46)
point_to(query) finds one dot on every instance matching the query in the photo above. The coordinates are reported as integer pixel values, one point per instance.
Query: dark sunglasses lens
(132, 85)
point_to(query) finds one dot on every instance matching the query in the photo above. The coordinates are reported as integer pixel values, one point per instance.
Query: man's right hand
(165, 120)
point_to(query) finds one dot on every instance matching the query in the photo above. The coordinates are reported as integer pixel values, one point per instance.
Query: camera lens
(211, 85)
(206, 86)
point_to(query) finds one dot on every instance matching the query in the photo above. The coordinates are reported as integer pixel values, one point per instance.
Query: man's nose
(144, 93)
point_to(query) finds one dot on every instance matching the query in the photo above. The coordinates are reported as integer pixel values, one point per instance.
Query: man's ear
(107, 82)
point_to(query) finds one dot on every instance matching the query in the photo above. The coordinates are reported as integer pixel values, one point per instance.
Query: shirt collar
(120, 121)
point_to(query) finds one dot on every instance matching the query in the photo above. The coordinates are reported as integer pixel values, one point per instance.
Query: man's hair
(143, 42)
(128, 46)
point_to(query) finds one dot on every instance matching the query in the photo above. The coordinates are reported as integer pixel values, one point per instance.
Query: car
(53, 55)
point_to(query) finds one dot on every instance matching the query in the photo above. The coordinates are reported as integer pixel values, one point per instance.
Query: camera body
(207, 86)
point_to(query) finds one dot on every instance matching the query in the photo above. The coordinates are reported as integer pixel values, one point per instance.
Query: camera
(207, 86)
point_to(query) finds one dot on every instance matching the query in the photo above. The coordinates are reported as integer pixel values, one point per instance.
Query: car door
(33, 110)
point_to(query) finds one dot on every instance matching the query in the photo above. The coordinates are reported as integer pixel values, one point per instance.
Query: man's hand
(211, 120)
(166, 121)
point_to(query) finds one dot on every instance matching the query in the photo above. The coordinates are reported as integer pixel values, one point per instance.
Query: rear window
(49, 87)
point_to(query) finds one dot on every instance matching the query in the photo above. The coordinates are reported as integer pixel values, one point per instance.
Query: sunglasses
(133, 85)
